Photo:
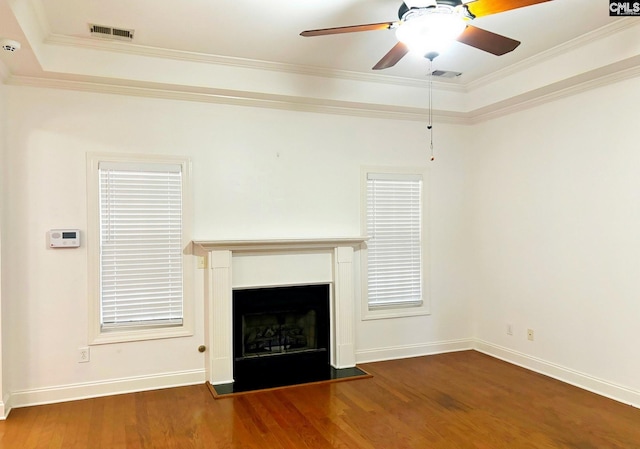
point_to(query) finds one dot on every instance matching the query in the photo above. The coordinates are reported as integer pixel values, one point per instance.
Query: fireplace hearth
(280, 336)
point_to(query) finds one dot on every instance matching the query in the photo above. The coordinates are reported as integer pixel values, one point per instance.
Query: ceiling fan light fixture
(430, 30)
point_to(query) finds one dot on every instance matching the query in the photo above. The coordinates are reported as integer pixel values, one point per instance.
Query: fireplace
(235, 265)
(280, 335)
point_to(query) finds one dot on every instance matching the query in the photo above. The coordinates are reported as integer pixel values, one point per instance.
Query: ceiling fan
(429, 26)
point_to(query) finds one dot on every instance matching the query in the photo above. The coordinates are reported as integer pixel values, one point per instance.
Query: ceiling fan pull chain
(433, 158)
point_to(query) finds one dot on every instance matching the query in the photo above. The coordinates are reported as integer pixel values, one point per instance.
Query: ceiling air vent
(446, 73)
(111, 33)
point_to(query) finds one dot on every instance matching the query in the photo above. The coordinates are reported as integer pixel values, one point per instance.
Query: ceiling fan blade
(481, 8)
(348, 29)
(487, 41)
(392, 57)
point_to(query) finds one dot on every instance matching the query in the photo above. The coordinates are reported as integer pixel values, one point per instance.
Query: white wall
(556, 241)
(257, 173)
(48, 135)
(533, 222)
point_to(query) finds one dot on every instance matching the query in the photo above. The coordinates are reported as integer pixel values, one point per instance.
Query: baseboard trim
(561, 373)
(87, 390)
(418, 350)
(5, 408)
(74, 392)
(572, 377)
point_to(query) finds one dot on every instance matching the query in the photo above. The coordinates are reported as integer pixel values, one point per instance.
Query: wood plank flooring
(458, 400)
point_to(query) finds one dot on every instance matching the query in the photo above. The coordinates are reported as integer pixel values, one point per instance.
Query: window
(139, 276)
(394, 259)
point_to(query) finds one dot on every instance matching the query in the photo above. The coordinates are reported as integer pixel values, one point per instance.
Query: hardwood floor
(456, 400)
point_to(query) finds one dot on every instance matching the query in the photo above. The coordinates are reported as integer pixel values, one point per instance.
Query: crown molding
(620, 71)
(99, 44)
(603, 76)
(560, 50)
(240, 98)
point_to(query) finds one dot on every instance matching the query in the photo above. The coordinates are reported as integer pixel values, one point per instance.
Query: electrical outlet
(202, 263)
(509, 329)
(83, 354)
(530, 334)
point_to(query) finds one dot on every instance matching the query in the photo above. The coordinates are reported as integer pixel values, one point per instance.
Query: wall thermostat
(64, 238)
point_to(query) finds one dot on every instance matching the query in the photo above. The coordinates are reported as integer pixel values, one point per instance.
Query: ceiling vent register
(102, 31)
(446, 73)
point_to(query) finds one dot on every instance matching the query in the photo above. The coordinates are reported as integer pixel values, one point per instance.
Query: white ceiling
(56, 41)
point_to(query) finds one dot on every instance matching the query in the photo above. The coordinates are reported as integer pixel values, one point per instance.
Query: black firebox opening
(280, 336)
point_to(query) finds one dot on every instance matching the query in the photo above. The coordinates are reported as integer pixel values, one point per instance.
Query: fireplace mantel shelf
(275, 245)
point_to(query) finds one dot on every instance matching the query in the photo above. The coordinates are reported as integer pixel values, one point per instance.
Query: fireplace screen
(280, 332)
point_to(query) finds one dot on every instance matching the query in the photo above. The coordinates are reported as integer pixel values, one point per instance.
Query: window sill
(382, 313)
(127, 335)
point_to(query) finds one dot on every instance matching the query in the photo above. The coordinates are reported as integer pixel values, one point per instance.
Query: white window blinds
(394, 224)
(140, 245)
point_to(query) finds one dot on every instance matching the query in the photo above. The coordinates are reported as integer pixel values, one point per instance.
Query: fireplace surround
(251, 264)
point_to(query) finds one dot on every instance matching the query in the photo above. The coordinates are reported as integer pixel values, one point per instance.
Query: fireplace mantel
(204, 246)
(339, 256)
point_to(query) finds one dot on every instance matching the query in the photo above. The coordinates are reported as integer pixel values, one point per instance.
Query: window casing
(394, 206)
(140, 278)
